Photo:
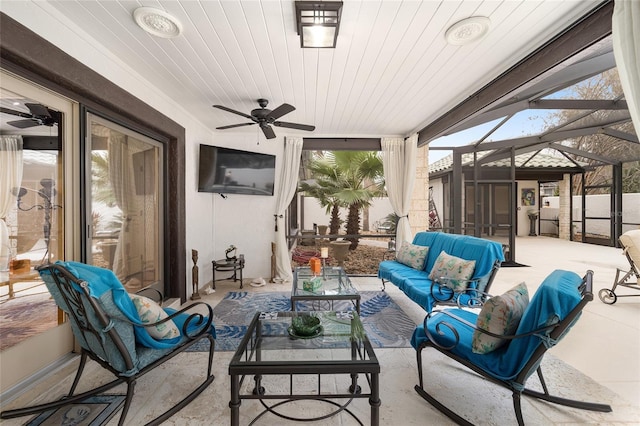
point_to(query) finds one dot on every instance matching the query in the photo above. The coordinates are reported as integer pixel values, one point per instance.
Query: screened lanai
(559, 117)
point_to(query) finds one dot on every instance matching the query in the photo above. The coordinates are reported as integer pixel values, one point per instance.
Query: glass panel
(31, 215)
(126, 219)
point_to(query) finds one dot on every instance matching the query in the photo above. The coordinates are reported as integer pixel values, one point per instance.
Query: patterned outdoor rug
(385, 323)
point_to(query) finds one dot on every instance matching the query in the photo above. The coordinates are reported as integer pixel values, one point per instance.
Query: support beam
(591, 104)
(554, 136)
(341, 144)
(620, 135)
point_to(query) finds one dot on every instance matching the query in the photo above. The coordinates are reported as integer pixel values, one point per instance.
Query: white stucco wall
(596, 206)
(246, 221)
(313, 213)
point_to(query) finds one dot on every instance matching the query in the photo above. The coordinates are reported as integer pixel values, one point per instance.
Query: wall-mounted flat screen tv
(232, 171)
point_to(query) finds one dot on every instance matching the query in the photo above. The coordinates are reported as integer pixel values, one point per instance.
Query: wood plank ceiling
(391, 73)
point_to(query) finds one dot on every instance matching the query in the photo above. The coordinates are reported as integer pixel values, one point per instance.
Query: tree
(348, 179)
(603, 86)
(323, 189)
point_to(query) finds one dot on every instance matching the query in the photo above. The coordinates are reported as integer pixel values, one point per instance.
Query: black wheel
(607, 296)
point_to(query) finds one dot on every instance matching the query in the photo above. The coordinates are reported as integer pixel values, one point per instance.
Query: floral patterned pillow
(500, 315)
(412, 255)
(150, 312)
(457, 270)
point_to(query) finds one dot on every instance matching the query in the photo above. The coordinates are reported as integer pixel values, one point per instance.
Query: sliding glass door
(124, 204)
(36, 221)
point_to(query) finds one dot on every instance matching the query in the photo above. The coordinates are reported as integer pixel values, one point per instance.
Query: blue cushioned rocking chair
(554, 308)
(106, 325)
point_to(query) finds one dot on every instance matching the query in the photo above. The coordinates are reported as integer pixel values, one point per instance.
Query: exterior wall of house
(419, 210)
(564, 208)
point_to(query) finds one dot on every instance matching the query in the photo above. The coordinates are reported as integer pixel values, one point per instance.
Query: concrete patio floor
(598, 361)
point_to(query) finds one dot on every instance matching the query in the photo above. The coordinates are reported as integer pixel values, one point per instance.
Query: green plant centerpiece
(305, 325)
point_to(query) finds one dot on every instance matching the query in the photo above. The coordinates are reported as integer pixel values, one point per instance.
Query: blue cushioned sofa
(419, 287)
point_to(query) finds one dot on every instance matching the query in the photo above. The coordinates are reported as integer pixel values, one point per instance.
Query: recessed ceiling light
(157, 22)
(468, 30)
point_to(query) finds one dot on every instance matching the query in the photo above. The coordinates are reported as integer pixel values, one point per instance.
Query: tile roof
(522, 161)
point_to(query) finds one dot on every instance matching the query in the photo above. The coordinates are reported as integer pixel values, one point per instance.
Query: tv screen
(231, 171)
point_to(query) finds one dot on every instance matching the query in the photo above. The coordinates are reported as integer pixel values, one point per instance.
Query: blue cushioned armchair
(109, 330)
(553, 310)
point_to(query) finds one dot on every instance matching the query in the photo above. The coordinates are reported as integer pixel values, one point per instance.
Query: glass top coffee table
(332, 284)
(281, 367)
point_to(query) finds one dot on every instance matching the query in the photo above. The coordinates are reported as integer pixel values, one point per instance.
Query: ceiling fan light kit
(157, 22)
(264, 118)
(468, 30)
(318, 23)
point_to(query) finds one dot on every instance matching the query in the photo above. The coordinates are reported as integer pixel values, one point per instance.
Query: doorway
(487, 213)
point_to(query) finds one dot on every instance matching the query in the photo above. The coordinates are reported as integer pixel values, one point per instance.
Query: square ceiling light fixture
(318, 23)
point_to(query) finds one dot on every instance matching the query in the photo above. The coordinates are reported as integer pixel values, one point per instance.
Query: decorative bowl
(305, 325)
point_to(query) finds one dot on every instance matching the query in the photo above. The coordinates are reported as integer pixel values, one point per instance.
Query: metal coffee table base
(277, 367)
(260, 394)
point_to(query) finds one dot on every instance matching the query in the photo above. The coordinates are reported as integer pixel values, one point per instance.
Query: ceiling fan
(39, 116)
(265, 117)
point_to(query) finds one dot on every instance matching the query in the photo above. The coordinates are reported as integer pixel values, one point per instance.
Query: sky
(524, 123)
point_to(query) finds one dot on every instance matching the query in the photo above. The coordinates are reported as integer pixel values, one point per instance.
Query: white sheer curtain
(626, 50)
(288, 183)
(10, 178)
(121, 178)
(399, 163)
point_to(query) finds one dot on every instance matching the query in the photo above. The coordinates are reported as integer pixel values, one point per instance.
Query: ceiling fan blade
(294, 126)
(14, 112)
(231, 126)
(23, 124)
(233, 111)
(38, 110)
(280, 111)
(268, 131)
